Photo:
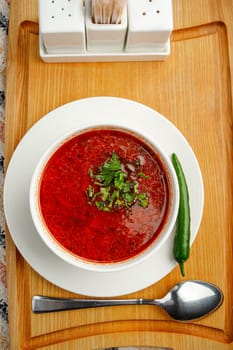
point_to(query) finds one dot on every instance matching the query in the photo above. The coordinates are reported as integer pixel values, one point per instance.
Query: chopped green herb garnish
(112, 187)
(91, 172)
(143, 175)
(90, 192)
(143, 199)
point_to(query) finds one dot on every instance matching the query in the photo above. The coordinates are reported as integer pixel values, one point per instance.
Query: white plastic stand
(67, 33)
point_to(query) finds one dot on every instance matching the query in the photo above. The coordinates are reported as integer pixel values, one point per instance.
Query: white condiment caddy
(67, 32)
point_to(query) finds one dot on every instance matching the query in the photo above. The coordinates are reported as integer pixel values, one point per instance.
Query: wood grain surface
(193, 89)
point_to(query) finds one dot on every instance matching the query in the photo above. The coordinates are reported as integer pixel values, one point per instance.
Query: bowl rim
(64, 253)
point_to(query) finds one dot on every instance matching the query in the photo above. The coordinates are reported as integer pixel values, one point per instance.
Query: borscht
(104, 195)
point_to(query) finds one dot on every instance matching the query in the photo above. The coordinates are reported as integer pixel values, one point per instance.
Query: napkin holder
(68, 34)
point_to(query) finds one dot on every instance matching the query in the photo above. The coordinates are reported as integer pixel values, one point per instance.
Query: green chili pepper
(181, 247)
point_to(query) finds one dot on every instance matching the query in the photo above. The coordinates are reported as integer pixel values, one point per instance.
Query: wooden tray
(192, 88)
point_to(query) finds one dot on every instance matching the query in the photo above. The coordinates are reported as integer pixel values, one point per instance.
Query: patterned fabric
(4, 336)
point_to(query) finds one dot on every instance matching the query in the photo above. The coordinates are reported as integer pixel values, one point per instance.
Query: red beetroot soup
(80, 226)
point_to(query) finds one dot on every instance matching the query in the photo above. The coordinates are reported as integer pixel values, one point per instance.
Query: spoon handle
(41, 304)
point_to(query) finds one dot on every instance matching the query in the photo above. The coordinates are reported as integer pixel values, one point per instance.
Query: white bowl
(168, 226)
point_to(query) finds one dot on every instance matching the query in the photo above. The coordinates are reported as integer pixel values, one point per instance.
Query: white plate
(81, 114)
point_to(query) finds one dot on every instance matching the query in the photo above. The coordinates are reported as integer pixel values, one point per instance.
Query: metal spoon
(186, 301)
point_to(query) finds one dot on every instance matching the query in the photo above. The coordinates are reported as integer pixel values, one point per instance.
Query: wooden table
(193, 89)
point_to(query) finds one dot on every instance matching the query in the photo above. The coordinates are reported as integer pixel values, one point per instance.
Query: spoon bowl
(191, 300)
(186, 301)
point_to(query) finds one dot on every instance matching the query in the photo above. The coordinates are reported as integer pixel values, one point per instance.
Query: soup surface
(107, 234)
